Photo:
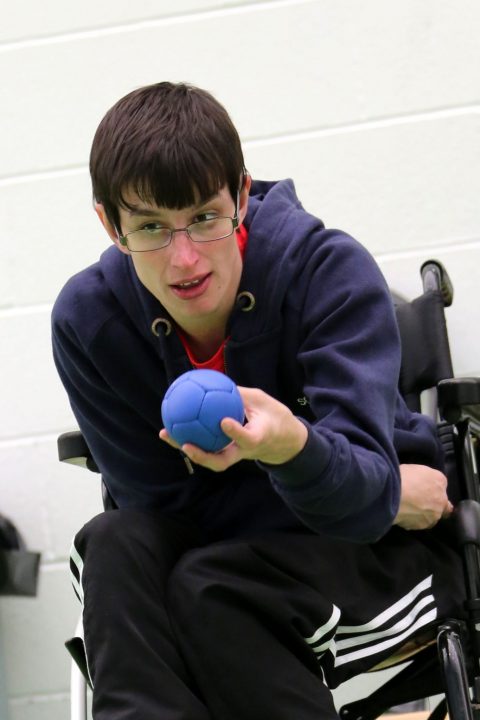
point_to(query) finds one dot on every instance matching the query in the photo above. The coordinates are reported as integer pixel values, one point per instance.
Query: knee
(107, 529)
(101, 525)
(121, 535)
(133, 541)
(104, 537)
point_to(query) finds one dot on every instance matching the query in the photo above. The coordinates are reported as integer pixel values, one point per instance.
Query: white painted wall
(373, 108)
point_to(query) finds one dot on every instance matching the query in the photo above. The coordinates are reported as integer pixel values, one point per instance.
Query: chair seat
(408, 650)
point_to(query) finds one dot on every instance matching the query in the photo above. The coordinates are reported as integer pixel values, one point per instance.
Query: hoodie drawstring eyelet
(247, 300)
(161, 321)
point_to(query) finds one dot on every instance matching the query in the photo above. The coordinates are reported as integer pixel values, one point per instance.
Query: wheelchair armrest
(73, 449)
(456, 396)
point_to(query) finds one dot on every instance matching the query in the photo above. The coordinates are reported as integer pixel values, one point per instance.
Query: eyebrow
(136, 210)
(143, 211)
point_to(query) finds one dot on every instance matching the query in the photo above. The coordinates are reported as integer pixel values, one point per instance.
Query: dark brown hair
(172, 144)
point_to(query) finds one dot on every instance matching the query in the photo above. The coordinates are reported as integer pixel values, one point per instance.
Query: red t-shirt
(217, 361)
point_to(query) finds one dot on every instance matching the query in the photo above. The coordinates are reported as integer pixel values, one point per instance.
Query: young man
(242, 584)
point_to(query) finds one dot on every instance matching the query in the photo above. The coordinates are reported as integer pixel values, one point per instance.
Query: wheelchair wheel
(454, 673)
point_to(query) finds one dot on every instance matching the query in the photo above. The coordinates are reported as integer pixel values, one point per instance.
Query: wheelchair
(445, 662)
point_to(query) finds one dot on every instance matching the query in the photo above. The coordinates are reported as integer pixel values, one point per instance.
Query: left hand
(423, 500)
(271, 435)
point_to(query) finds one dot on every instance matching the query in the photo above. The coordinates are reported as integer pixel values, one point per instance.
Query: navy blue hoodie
(321, 337)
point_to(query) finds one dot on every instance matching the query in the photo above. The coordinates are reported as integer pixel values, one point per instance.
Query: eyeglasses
(154, 236)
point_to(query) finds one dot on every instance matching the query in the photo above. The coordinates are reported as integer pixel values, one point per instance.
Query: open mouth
(191, 288)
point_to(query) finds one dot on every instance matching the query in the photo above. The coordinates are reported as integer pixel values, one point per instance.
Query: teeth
(189, 284)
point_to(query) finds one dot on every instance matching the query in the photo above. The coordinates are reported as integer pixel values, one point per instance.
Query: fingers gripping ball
(194, 405)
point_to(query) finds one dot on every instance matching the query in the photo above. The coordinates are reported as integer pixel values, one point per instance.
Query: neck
(203, 346)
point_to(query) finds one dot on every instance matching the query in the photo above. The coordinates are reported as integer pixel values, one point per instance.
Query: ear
(243, 197)
(111, 230)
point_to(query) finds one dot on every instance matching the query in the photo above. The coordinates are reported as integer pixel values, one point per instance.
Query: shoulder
(283, 231)
(293, 259)
(84, 304)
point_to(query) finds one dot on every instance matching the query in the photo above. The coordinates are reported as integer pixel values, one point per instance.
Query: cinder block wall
(372, 107)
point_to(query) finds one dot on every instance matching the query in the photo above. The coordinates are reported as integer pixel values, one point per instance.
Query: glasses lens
(155, 237)
(208, 230)
(150, 238)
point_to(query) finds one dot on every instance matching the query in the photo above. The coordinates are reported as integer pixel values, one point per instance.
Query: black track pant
(245, 629)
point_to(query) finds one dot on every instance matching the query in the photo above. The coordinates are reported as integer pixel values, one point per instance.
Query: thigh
(350, 605)
(382, 594)
(235, 615)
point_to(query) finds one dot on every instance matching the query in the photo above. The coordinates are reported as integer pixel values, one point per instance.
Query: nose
(183, 250)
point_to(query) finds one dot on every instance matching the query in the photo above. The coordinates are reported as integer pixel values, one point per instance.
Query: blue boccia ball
(194, 405)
